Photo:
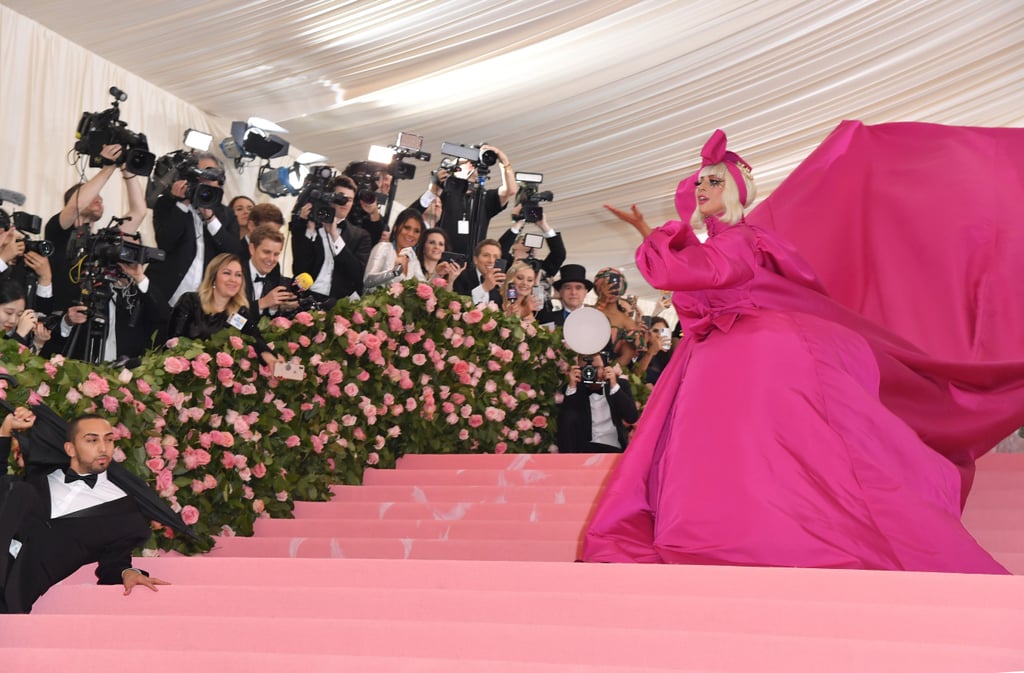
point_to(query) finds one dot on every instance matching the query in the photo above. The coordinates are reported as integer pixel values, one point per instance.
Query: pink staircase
(464, 563)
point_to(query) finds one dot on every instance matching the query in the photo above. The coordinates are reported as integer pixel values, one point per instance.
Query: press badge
(463, 227)
(237, 321)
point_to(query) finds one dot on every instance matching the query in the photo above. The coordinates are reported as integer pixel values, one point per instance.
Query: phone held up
(453, 257)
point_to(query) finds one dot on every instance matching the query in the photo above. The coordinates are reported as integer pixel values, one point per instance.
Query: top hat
(572, 273)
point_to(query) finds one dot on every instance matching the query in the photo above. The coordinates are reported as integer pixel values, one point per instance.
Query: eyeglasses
(713, 183)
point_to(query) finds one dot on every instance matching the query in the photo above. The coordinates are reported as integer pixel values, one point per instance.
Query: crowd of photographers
(92, 291)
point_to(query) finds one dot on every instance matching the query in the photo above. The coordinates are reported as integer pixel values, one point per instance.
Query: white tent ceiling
(610, 100)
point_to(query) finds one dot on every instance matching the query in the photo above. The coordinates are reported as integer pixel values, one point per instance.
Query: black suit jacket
(308, 256)
(135, 332)
(270, 281)
(469, 279)
(575, 425)
(53, 549)
(551, 315)
(176, 236)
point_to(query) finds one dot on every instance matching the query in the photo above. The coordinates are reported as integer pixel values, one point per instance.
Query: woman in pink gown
(766, 441)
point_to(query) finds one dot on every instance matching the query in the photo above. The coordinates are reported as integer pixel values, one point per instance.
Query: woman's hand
(26, 323)
(403, 261)
(633, 217)
(42, 335)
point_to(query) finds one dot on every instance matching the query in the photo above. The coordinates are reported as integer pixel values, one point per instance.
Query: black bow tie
(70, 476)
(259, 279)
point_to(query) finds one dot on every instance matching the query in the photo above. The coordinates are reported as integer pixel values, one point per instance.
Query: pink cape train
(795, 427)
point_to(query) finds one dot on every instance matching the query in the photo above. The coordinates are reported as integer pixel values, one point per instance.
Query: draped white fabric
(611, 101)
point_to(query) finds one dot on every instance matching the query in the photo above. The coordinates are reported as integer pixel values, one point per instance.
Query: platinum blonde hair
(734, 210)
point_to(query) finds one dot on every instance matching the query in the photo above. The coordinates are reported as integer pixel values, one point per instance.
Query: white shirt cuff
(44, 291)
(143, 284)
(213, 226)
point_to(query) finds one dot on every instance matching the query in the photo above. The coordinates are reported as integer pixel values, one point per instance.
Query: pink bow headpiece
(714, 152)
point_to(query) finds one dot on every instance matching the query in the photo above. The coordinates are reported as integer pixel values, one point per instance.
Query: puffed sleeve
(671, 258)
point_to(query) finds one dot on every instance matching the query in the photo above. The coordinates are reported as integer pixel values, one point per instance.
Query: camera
(182, 165)
(589, 373)
(318, 190)
(96, 129)
(41, 247)
(24, 223)
(364, 174)
(482, 159)
(103, 251)
(529, 197)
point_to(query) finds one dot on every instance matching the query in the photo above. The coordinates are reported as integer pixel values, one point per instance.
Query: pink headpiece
(714, 152)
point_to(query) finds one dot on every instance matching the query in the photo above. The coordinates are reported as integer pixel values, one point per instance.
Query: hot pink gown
(771, 437)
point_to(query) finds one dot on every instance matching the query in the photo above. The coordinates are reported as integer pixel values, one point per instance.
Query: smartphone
(666, 333)
(647, 321)
(539, 294)
(288, 370)
(501, 265)
(533, 241)
(453, 257)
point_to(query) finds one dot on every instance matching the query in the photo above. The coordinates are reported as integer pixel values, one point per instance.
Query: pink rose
(281, 322)
(165, 481)
(424, 291)
(175, 365)
(259, 470)
(110, 404)
(292, 441)
(489, 325)
(143, 386)
(198, 486)
(209, 481)
(189, 514)
(373, 458)
(94, 385)
(225, 376)
(236, 343)
(463, 434)
(155, 465)
(473, 316)
(500, 447)
(476, 420)
(225, 360)
(258, 506)
(200, 369)
(304, 318)
(540, 422)
(153, 448)
(351, 389)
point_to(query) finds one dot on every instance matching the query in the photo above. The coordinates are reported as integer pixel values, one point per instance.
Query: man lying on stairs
(57, 520)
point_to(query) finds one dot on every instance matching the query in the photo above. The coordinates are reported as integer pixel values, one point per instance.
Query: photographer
(431, 252)
(481, 281)
(30, 269)
(268, 292)
(130, 321)
(335, 252)
(17, 321)
(457, 188)
(594, 414)
(365, 212)
(83, 207)
(190, 234)
(517, 245)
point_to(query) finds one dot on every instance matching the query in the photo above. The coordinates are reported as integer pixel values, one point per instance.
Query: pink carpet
(463, 563)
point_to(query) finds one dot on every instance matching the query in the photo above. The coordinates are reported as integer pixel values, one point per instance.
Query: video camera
(529, 198)
(364, 174)
(96, 129)
(318, 190)
(184, 165)
(481, 159)
(24, 223)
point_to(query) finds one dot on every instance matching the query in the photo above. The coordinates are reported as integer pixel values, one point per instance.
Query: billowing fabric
(789, 430)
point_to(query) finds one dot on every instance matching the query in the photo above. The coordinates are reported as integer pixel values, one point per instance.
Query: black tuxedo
(308, 256)
(574, 419)
(176, 236)
(469, 279)
(53, 549)
(137, 330)
(270, 281)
